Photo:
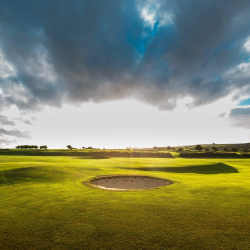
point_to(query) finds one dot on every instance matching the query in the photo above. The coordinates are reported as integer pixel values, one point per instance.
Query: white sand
(129, 182)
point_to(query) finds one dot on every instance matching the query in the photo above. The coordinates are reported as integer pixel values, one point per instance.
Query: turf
(44, 204)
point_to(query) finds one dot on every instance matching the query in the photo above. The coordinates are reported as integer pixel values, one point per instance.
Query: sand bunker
(123, 182)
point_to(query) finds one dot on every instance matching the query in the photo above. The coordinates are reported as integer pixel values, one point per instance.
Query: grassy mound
(93, 154)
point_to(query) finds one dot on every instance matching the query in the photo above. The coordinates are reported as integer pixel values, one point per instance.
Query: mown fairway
(45, 206)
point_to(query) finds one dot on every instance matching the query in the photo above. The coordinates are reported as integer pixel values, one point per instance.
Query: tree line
(31, 147)
(70, 147)
(215, 149)
(200, 148)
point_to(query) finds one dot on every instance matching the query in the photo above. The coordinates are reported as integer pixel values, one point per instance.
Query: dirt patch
(125, 182)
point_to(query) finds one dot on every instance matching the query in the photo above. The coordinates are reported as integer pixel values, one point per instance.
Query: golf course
(47, 202)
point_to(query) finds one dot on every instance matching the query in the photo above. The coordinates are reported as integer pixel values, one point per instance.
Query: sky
(127, 73)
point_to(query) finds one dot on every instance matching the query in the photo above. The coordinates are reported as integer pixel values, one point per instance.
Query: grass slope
(91, 153)
(45, 206)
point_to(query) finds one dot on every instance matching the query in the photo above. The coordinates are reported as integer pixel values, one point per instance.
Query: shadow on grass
(91, 157)
(84, 155)
(30, 174)
(219, 168)
(87, 154)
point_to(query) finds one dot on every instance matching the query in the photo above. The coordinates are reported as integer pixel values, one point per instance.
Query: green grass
(45, 206)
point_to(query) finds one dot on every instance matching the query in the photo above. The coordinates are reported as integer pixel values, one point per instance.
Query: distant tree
(226, 149)
(168, 148)
(234, 149)
(180, 149)
(89, 148)
(155, 148)
(18, 147)
(245, 150)
(44, 146)
(215, 149)
(207, 149)
(69, 147)
(199, 147)
(173, 148)
(83, 147)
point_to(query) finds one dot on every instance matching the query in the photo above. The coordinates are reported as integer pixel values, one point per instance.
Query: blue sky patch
(244, 102)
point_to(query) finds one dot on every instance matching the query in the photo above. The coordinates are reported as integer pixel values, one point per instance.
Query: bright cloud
(149, 18)
(6, 68)
(152, 14)
(247, 45)
(120, 124)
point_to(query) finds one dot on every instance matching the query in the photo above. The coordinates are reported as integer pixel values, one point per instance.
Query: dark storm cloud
(240, 117)
(222, 114)
(79, 51)
(15, 133)
(6, 141)
(24, 121)
(4, 120)
(27, 122)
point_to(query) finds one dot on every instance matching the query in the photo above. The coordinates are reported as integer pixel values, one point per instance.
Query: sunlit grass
(44, 206)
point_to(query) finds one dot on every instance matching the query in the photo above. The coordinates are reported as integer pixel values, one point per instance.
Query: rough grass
(45, 206)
